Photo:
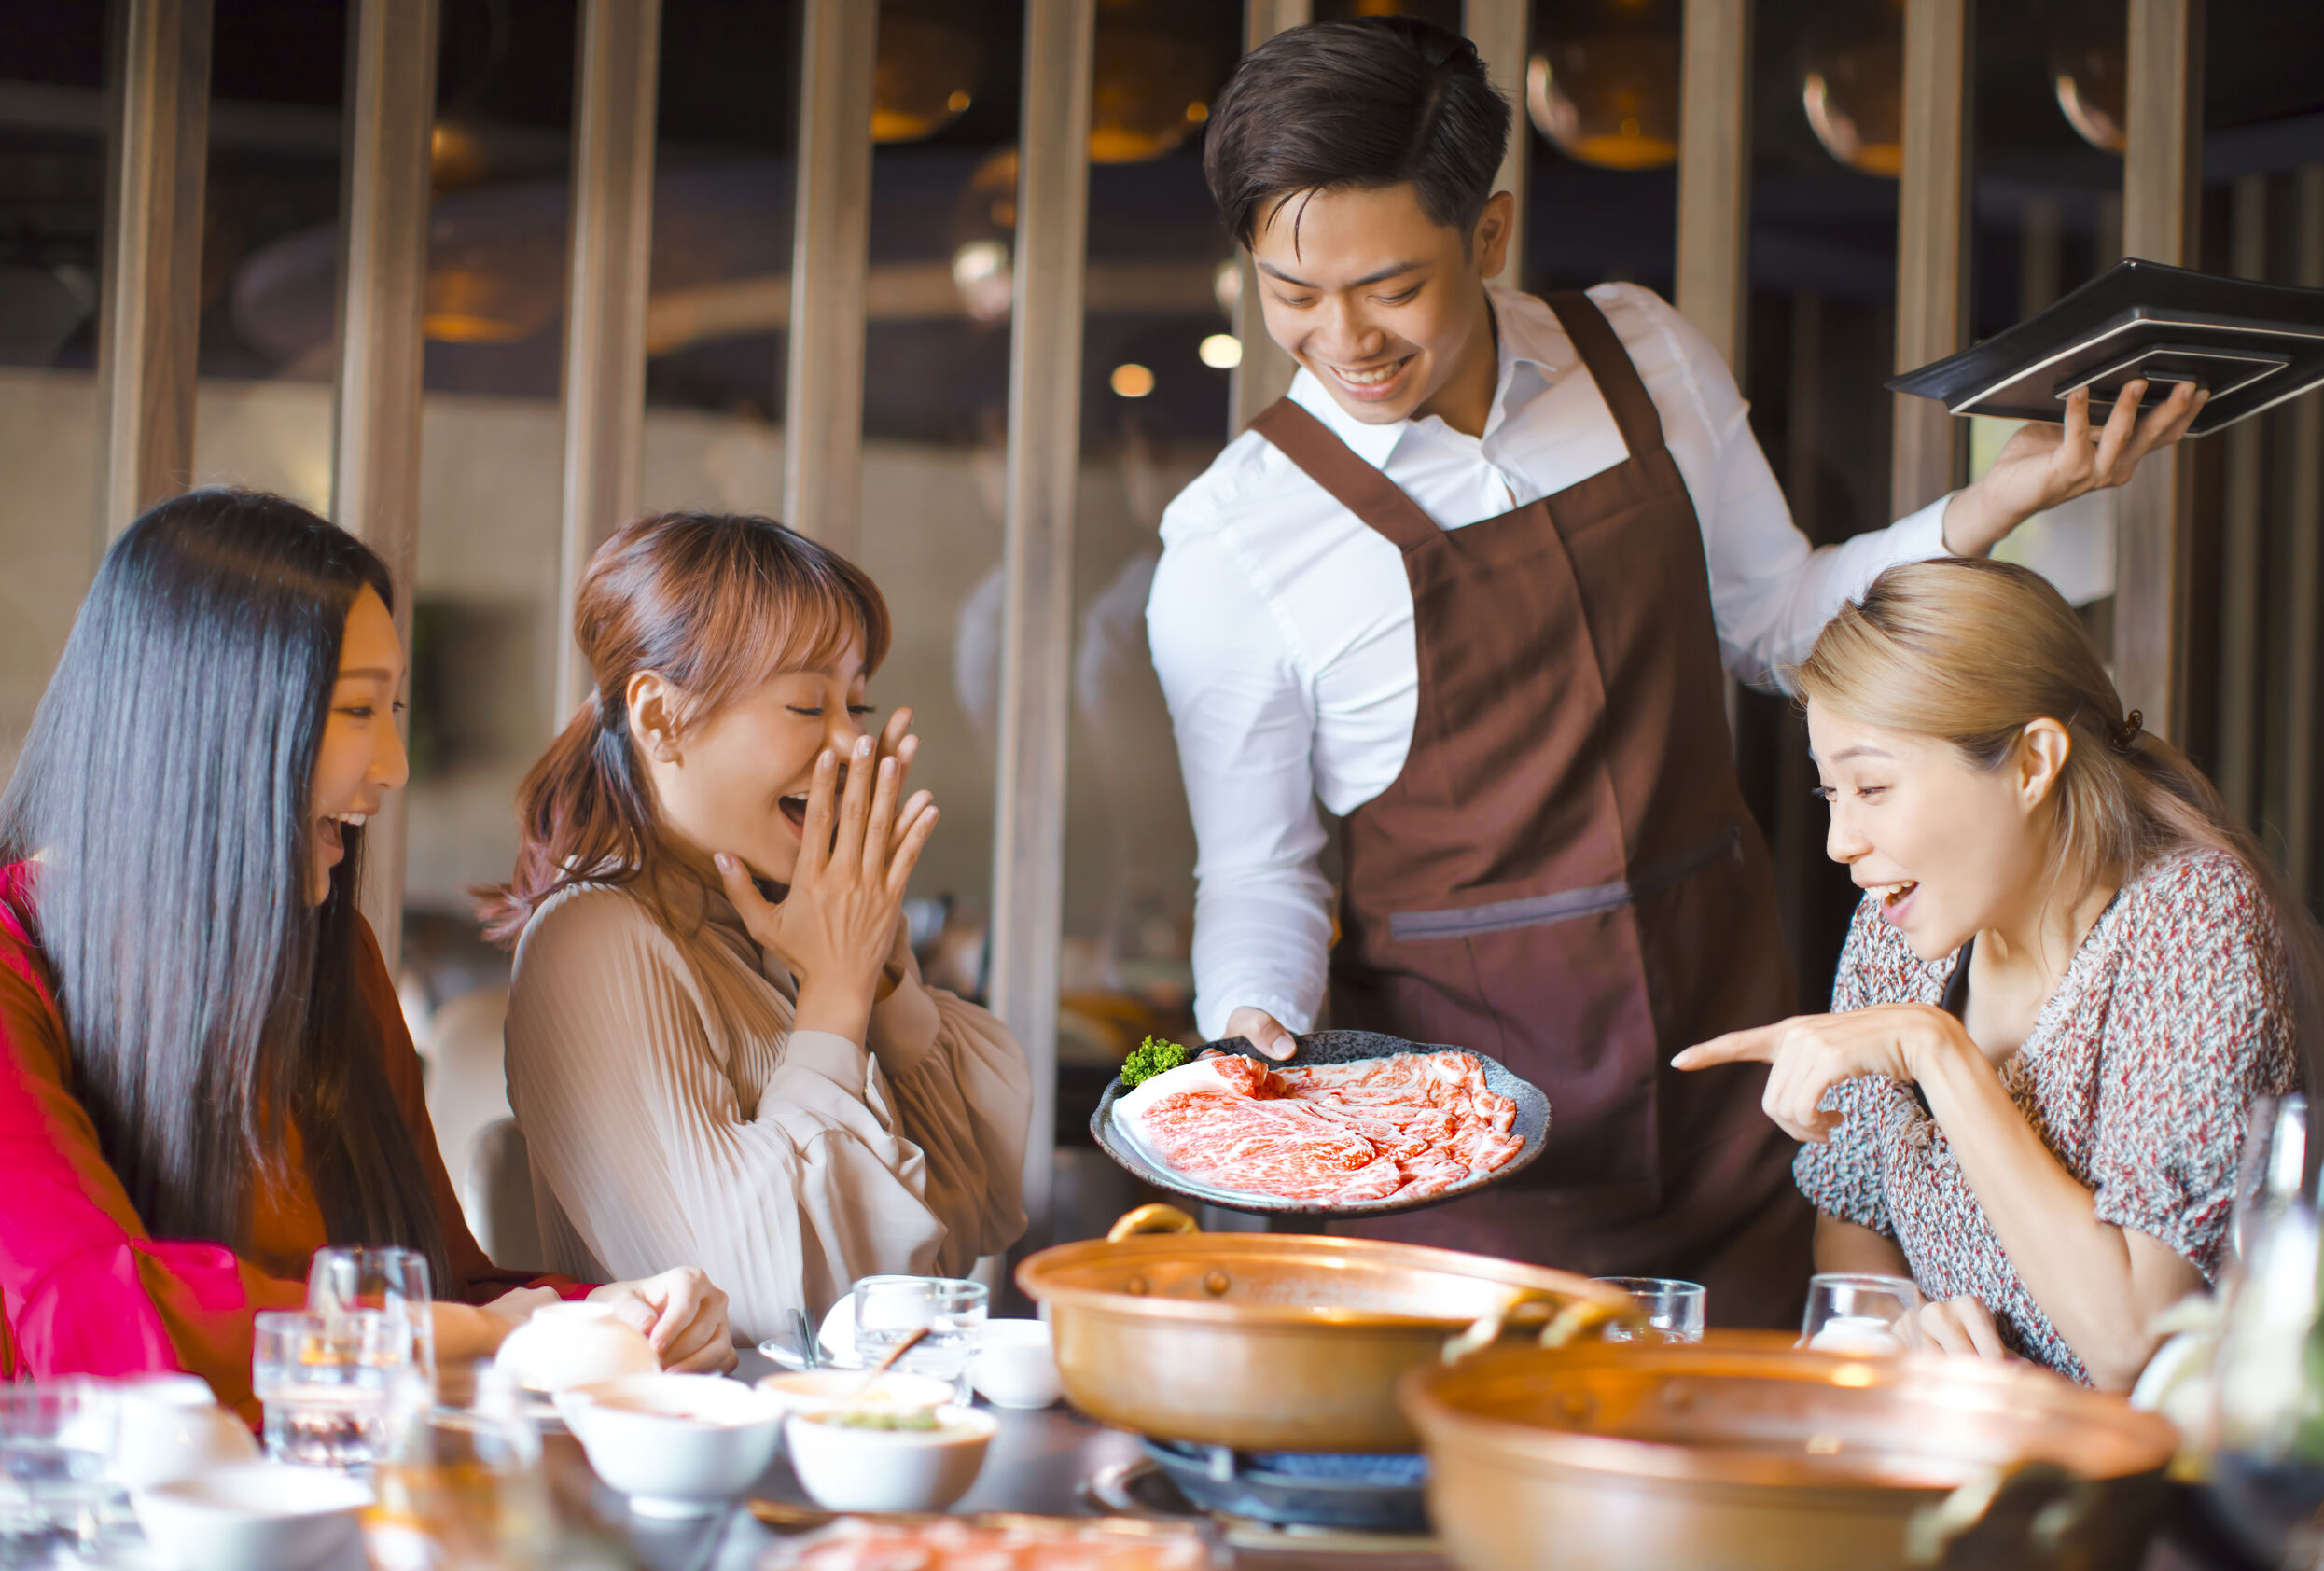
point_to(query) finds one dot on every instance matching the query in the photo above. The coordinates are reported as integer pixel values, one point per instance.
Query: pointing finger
(1755, 1046)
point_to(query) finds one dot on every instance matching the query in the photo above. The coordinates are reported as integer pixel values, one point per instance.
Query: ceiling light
(1220, 352)
(1131, 380)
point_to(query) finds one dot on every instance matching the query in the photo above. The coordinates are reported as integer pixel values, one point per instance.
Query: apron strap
(1609, 365)
(1356, 485)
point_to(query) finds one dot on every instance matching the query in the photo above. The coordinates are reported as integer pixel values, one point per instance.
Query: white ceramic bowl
(844, 1469)
(1015, 1364)
(165, 1436)
(821, 1390)
(564, 1345)
(678, 1445)
(252, 1514)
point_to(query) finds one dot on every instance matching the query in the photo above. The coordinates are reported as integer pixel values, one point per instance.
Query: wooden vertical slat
(1933, 240)
(2241, 586)
(375, 414)
(1265, 371)
(1715, 173)
(2307, 610)
(2162, 188)
(830, 250)
(1036, 565)
(604, 321)
(1501, 31)
(149, 318)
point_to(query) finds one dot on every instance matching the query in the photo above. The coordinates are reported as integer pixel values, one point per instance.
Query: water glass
(380, 1277)
(1851, 1311)
(460, 1485)
(328, 1381)
(56, 1445)
(1673, 1310)
(952, 1311)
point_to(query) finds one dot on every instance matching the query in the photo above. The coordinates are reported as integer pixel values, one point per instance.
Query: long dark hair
(716, 604)
(167, 790)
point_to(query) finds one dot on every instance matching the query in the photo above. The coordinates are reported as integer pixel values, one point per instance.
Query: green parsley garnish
(1148, 1059)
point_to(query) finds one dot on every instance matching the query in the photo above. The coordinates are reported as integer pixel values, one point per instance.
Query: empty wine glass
(2275, 1158)
(1858, 1311)
(1673, 1310)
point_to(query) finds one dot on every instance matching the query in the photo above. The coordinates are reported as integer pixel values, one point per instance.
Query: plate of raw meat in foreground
(1348, 1127)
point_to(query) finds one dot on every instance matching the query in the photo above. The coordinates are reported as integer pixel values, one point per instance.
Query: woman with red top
(204, 1076)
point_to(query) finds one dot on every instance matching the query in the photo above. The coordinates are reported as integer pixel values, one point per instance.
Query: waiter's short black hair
(1379, 101)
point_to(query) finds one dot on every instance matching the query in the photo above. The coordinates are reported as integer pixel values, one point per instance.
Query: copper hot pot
(1746, 1453)
(1278, 1341)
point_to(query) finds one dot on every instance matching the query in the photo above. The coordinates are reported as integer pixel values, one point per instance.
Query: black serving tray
(2253, 345)
(1333, 1047)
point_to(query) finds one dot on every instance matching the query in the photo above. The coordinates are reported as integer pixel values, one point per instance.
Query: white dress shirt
(1282, 624)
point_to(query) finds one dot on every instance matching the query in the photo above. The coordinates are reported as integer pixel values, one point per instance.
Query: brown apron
(1564, 876)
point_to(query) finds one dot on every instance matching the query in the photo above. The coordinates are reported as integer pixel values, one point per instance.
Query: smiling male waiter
(1471, 584)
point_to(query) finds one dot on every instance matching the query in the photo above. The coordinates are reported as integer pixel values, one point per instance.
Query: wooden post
(1499, 29)
(2303, 679)
(1933, 240)
(1265, 371)
(1715, 173)
(830, 250)
(148, 317)
(375, 414)
(2242, 551)
(2162, 188)
(605, 312)
(1037, 566)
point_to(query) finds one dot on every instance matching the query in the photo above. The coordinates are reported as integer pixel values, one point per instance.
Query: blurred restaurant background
(481, 278)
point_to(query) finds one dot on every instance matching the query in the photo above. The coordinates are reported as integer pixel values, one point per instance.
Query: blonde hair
(1972, 652)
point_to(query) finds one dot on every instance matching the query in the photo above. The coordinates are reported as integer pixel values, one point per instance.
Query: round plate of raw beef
(1355, 1124)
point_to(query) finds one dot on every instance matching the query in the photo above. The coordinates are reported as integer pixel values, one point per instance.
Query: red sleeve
(83, 1287)
(476, 1279)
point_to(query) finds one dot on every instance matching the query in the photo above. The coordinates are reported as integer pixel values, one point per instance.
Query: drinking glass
(56, 1445)
(382, 1277)
(327, 1381)
(1673, 1310)
(460, 1485)
(1851, 1312)
(2275, 1156)
(951, 1310)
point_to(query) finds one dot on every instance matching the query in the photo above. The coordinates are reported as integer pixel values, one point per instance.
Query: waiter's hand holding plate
(2042, 466)
(1263, 1031)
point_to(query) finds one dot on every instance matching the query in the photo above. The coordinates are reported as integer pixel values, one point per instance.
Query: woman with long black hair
(204, 1076)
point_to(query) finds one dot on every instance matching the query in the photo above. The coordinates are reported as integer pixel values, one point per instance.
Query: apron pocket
(1540, 910)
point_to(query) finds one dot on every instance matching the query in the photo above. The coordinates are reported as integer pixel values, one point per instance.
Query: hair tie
(2128, 736)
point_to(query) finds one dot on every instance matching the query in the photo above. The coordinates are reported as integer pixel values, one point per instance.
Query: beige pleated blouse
(675, 1118)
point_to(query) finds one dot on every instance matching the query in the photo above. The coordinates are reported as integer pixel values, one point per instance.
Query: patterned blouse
(2138, 1076)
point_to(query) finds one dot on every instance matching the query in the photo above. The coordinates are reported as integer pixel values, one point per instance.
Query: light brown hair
(716, 605)
(1973, 651)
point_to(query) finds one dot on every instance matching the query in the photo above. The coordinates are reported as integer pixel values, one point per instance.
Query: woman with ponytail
(2070, 976)
(718, 1044)
(204, 1076)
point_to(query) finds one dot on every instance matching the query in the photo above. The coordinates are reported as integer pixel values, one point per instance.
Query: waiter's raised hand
(2043, 465)
(836, 926)
(1264, 1031)
(1809, 1054)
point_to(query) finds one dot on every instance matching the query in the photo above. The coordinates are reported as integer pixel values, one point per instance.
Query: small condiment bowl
(252, 1514)
(823, 1390)
(1015, 1364)
(849, 1469)
(678, 1445)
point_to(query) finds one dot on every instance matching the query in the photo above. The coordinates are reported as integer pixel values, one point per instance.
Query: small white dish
(1015, 1364)
(565, 1344)
(850, 1470)
(172, 1427)
(250, 1515)
(678, 1445)
(823, 1390)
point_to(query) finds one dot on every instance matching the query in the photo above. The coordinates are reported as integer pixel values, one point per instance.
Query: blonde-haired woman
(2070, 975)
